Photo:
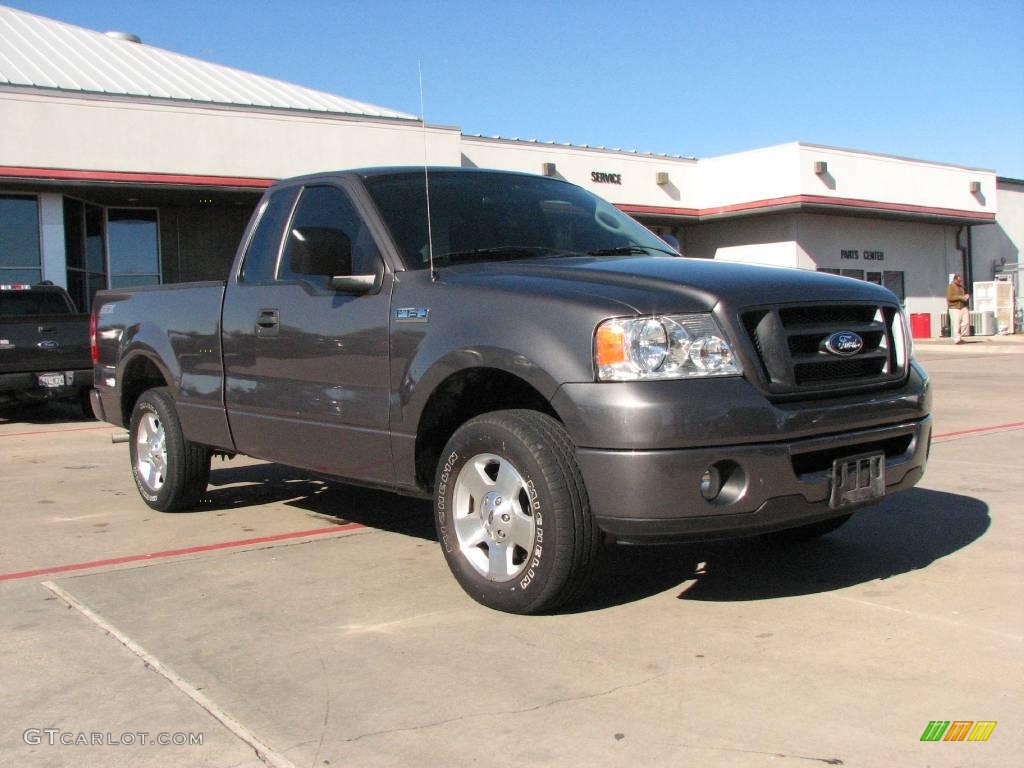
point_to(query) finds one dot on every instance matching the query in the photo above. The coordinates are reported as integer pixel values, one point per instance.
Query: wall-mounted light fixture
(662, 178)
(549, 169)
(820, 167)
(975, 187)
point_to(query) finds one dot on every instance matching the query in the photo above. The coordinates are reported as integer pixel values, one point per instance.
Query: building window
(109, 248)
(893, 280)
(84, 248)
(19, 239)
(133, 246)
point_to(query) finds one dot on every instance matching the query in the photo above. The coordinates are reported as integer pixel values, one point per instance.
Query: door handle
(268, 322)
(268, 318)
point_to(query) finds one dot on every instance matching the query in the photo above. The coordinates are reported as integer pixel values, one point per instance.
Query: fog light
(710, 483)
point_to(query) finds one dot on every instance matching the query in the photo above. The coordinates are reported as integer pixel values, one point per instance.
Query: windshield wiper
(630, 250)
(506, 251)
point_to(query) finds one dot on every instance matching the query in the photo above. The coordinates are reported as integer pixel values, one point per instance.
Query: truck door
(306, 366)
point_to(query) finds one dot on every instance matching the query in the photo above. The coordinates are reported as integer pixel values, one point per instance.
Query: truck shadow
(329, 501)
(905, 533)
(57, 412)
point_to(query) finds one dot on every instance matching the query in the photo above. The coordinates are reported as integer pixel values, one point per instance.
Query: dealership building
(123, 164)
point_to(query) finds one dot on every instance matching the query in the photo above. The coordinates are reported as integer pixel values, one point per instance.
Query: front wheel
(170, 472)
(512, 513)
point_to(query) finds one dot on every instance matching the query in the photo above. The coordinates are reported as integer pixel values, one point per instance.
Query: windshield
(499, 216)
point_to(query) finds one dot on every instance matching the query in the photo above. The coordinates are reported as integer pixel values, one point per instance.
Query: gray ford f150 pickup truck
(534, 360)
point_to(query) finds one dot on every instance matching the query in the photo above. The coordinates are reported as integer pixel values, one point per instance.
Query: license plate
(51, 379)
(857, 479)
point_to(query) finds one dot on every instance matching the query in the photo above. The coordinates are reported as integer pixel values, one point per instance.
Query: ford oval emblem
(844, 343)
(48, 344)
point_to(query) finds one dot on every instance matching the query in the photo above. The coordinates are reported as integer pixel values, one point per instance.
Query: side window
(261, 255)
(327, 238)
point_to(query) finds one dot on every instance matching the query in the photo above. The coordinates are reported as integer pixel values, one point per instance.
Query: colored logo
(958, 730)
(844, 343)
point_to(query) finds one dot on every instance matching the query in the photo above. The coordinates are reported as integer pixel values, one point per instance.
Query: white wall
(1002, 243)
(638, 172)
(111, 135)
(761, 174)
(864, 176)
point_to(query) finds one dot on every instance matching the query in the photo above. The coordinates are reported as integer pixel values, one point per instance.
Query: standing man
(959, 314)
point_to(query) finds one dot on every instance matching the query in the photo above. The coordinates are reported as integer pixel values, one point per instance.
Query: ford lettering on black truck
(548, 371)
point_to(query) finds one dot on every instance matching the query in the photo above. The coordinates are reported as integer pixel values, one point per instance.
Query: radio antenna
(426, 179)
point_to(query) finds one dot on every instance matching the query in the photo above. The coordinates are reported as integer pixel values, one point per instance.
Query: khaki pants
(959, 323)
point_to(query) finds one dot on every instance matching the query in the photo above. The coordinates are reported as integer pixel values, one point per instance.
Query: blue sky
(941, 80)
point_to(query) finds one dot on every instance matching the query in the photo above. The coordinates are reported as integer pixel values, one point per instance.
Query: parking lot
(296, 622)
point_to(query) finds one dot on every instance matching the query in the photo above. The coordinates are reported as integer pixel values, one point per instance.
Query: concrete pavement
(347, 645)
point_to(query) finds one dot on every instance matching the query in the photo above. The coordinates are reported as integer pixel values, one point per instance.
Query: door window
(327, 238)
(260, 260)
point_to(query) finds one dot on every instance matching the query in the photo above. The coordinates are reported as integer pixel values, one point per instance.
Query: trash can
(921, 325)
(945, 330)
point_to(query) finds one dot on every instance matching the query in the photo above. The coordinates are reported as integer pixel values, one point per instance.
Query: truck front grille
(792, 347)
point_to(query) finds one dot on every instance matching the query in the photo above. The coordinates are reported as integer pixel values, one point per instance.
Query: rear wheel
(170, 472)
(85, 403)
(512, 513)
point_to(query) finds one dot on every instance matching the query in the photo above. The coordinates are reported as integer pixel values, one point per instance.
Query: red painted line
(54, 431)
(179, 552)
(1013, 425)
(143, 178)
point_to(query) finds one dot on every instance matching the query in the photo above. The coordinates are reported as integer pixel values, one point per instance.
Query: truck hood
(654, 284)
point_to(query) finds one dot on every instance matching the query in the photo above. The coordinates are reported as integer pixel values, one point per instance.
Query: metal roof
(37, 52)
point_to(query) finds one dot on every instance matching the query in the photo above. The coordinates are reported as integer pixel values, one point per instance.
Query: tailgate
(41, 343)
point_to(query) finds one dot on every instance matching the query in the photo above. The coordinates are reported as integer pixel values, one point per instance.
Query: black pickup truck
(544, 368)
(44, 347)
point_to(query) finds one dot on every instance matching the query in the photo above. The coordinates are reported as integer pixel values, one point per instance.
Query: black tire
(548, 546)
(170, 472)
(809, 532)
(85, 403)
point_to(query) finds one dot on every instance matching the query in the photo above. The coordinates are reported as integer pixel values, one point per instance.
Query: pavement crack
(327, 707)
(499, 713)
(825, 760)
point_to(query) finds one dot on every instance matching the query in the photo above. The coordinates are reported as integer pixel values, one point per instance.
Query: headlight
(667, 347)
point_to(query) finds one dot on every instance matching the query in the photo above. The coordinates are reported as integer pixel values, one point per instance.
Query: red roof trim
(802, 200)
(125, 177)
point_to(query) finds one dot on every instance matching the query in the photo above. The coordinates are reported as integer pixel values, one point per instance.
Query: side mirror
(353, 283)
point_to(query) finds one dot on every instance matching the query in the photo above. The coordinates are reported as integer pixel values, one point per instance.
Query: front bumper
(650, 496)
